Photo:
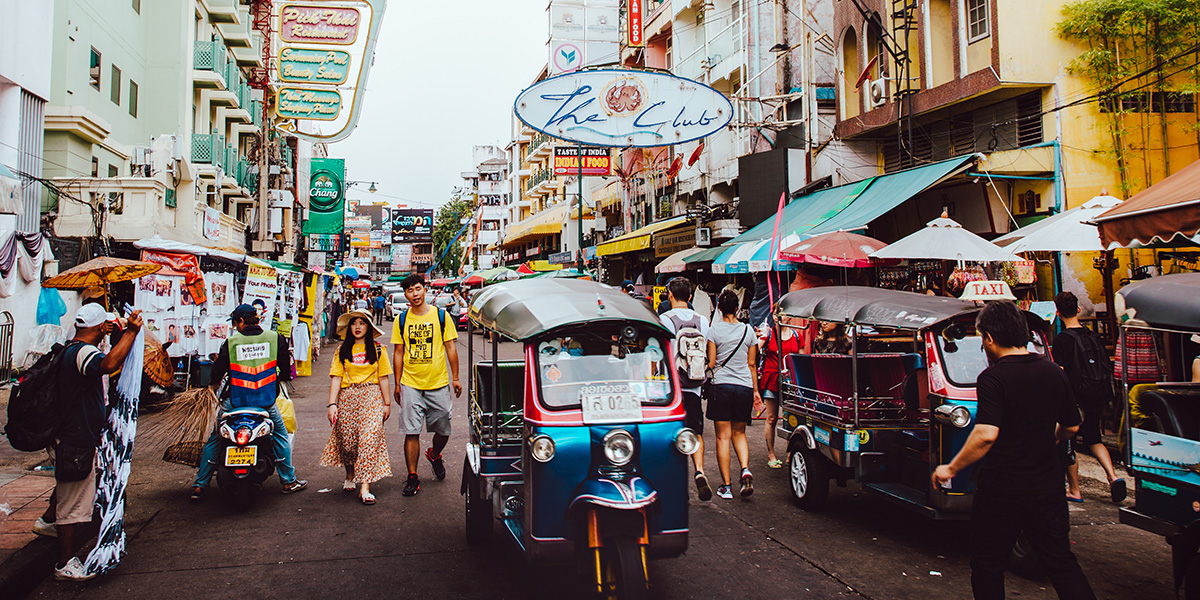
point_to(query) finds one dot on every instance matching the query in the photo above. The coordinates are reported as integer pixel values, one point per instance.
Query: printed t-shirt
(424, 351)
(81, 391)
(358, 370)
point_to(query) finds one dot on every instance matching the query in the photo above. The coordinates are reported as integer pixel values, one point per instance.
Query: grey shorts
(74, 500)
(430, 408)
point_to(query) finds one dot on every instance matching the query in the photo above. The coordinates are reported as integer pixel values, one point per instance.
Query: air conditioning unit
(878, 92)
(703, 237)
(141, 161)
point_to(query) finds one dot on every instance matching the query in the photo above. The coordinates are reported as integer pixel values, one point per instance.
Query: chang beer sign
(620, 108)
(326, 196)
(323, 62)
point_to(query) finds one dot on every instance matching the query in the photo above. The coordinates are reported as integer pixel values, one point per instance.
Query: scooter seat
(249, 410)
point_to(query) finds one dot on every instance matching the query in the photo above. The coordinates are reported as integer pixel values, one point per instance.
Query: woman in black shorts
(732, 354)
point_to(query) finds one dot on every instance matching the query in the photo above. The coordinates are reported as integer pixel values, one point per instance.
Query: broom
(182, 426)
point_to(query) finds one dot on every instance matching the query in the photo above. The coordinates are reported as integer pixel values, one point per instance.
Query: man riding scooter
(254, 359)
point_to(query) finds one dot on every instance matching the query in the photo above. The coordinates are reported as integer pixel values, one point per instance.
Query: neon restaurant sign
(620, 108)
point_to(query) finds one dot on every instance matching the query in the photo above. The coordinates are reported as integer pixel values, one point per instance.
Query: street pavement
(323, 543)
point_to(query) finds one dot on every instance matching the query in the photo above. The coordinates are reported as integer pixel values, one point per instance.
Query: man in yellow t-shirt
(420, 353)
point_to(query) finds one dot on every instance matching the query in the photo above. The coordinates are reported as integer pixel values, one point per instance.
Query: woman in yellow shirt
(359, 403)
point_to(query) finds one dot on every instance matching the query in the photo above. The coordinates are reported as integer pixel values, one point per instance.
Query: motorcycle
(246, 456)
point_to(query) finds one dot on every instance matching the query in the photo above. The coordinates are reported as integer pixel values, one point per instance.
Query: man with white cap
(80, 424)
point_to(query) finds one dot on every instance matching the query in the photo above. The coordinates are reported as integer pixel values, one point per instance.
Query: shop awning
(547, 222)
(607, 196)
(706, 255)
(542, 265)
(753, 257)
(1162, 211)
(639, 239)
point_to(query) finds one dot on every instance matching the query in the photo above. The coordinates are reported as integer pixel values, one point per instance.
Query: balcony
(137, 208)
(540, 147)
(237, 35)
(221, 11)
(208, 148)
(246, 176)
(210, 64)
(251, 56)
(723, 55)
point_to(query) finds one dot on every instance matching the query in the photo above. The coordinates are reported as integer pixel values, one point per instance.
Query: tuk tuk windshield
(571, 367)
(964, 356)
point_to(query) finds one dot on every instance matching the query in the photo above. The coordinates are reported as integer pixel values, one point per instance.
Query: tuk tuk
(578, 448)
(899, 404)
(1161, 421)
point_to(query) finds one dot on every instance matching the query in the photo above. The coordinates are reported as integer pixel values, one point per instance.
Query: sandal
(775, 463)
(368, 498)
(348, 485)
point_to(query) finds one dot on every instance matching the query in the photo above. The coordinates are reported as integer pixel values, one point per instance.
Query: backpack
(691, 350)
(441, 320)
(33, 406)
(1092, 371)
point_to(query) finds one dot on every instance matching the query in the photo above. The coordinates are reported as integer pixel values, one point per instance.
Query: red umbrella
(836, 249)
(473, 280)
(524, 269)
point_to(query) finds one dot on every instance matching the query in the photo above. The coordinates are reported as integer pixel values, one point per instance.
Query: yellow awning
(607, 196)
(543, 265)
(638, 239)
(547, 222)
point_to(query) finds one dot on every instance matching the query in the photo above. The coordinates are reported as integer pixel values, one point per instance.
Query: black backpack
(1092, 372)
(33, 405)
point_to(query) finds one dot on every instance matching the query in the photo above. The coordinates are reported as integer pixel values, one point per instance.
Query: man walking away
(244, 356)
(379, 303)
(1025, 409)
(424, 339)
(691, 347)
(81, 394)
(1081, 354)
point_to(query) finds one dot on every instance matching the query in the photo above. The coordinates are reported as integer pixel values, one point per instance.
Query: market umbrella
(835, 249)
(561, 274)
(475, 278)
(525, 269)
(156, 362)
(1068, 231)
(348, 272)
(945, 239)
(674, 263)
(101, 271)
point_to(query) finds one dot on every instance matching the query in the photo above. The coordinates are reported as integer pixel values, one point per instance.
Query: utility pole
(263, 175)
(579, 259)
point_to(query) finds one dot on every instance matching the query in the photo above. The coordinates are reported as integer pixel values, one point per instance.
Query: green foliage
(447, 223)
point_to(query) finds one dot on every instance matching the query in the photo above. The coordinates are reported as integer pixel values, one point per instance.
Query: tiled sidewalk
(27, 495)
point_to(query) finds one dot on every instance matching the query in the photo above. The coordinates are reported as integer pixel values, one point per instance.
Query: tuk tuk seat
(505, 405)
(881, 379)
(1173, 409)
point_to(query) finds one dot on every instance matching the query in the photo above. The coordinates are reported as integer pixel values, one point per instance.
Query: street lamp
(372, 189)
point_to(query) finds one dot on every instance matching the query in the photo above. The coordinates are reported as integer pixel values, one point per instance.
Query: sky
(444, 79)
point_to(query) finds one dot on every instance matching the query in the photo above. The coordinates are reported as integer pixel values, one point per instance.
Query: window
(133, 98)
(1149, 102)
(115, 85)
(137, 6)
(95, 167)
(94, 69)
(977, 20)
(116, 204)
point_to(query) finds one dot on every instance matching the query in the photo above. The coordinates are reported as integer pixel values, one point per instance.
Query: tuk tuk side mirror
(629, 334)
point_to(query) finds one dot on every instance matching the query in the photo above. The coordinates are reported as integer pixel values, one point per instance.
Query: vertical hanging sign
(326, 197)
(635, 24)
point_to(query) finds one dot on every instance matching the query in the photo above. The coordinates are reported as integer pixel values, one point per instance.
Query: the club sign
(620, 108)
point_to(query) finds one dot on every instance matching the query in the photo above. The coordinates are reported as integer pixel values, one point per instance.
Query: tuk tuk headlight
(618, 447)
(686, 441)
(950, 414)
(541, 448)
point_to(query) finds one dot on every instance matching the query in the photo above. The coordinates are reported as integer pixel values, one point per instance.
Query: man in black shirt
(1025, 409)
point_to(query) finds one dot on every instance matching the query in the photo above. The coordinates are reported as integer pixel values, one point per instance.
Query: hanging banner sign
(212, 223)
(360, 239)
(323, 242)
(634, 19)
(260, 292)
(309, 65)
(618, 108)
(326, 206)
(561, 258)
(318, 24)
(298, 103)
(412, 225)
(666, 244)
(362, 222)
(596, 161)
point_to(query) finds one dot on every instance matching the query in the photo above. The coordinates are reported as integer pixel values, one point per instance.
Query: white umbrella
(674, 263)
(1065, 232)
(945, 239)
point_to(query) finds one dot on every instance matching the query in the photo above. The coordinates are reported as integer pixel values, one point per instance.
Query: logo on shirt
(254, 351)
(419, 343)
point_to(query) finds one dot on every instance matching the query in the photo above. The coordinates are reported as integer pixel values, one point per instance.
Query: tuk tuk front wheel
(809, 478)
(624, 569)
(478, 509)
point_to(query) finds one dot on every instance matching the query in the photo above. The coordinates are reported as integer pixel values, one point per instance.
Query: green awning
(285, 266)
(706, 255)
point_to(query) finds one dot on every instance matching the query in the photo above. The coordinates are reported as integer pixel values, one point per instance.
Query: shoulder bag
(709, 390)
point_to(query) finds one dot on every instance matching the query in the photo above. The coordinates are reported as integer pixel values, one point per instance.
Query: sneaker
(439, 468)
(724, 492)
(413, 485)
(72, 571)
(747, 482)
(41, 527)
(197, 494)
(702, 488)
(295, 486)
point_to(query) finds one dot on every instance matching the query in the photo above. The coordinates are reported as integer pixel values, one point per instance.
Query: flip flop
(348, 486)
(775, 463)
(368, 498)
(1079, 500)
(1118, 490)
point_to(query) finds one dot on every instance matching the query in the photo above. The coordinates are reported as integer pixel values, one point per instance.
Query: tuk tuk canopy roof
(1168, 301)
(522, 309)
(872, 306)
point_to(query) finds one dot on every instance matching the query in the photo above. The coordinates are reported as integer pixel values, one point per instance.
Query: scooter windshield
(570, 371)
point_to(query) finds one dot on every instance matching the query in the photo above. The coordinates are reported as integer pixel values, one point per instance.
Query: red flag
(774, 255)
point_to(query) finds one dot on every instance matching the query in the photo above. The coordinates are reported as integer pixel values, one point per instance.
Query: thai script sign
(318, 24)
(305, 65)
(326, 205)
(412, 225)
(619, 108)
(596, 161)
(299, 103)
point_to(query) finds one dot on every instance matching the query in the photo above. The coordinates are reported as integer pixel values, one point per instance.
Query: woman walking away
(359, 403)
(769, 382)
(732, 355)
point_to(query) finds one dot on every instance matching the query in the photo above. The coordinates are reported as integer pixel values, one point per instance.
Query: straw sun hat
(344, 322)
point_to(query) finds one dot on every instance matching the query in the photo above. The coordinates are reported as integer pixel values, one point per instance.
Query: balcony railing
(229, 165)
(725, 44)
(537, 140)
(246, 177)
(211, 56)
(208, 148)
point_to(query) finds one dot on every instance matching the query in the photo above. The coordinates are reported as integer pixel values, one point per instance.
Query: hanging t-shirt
(222, 295)
(358, 370)
(216, 331)
(425, 365)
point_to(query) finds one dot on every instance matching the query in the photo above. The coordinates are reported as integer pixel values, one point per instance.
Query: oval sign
(620, 108)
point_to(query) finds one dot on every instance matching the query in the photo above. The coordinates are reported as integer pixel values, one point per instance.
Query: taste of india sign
(324, 63)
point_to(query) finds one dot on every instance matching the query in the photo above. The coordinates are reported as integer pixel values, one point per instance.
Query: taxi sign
(987, 290)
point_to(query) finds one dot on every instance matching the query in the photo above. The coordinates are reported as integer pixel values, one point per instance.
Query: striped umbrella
(754, 257)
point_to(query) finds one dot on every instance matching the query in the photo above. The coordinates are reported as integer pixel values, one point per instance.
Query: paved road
(322, 543)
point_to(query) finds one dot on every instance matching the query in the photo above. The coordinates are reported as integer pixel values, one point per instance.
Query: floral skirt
(357, 439)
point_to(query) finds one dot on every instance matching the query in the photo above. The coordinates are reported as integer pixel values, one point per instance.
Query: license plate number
(611, 403)
(241, 457)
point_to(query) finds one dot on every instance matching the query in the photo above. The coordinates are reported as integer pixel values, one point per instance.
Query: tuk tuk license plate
(241, 457)
(618, 403)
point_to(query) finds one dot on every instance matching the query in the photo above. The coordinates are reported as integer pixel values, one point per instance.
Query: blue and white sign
(620, 108)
